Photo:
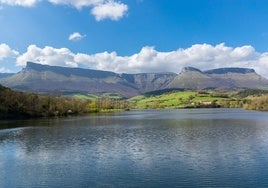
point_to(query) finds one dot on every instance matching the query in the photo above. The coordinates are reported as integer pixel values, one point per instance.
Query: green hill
(187, 99)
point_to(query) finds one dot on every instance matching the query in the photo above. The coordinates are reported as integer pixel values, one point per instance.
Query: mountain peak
(29, 64)
(35, 66)
(45, 78)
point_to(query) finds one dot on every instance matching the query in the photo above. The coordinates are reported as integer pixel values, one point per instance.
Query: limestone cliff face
(223, 78)
(43, 78)
(146, 82)
(230, 70)
(192, 78)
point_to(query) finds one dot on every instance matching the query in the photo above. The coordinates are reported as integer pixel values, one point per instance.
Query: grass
(93, 97)
(85, 96)
(184, 99)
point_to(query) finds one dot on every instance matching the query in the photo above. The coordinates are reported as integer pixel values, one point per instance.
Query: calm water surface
(169, 148)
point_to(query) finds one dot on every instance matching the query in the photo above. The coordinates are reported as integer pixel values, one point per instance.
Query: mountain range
(50, 79)
(5, 75)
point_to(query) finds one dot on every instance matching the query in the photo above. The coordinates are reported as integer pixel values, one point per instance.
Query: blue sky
(134, 35)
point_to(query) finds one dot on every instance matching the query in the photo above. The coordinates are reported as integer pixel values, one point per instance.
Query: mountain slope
(192, 78)
(54, 79)
(221, 79)
(44, 78)
(146, 82)
(238, 77)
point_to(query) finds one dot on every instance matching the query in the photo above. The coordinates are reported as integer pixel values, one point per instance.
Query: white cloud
(7, 52)
(101, 9)
(24, 3)
(109, 10)
(4, 70)
(48, 55)
(202, 56)
(76, 36)
(77, 3)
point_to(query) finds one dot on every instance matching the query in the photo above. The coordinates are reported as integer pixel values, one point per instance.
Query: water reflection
(208, 148)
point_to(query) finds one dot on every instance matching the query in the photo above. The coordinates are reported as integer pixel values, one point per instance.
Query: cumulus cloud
(48, 55)
(100, 9)
(76, 36)
(112, 10)
(7, 52)
(202, 56)
(75, 3)
(4, 70)
(24, 3)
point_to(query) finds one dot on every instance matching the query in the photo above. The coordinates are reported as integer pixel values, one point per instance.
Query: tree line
(14, 104)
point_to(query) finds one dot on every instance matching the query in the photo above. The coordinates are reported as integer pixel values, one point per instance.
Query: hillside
(53, 79)
(218, 79)
(16, 105)
(250, 99)
(49, 79)
(187, 99)
(192, 78)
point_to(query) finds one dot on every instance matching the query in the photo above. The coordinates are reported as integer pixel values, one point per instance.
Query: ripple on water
(179, 148)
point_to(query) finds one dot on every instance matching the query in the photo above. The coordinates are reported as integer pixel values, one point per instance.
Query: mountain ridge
(230, 70)
(5, 75)
(48, 79)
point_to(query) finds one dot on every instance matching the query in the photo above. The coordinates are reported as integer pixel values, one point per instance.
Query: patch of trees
(162, 91)
(251, 92)
(15, 104)
(257, 103)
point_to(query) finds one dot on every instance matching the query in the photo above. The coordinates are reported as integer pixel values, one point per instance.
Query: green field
(93, 97)
(186, 99)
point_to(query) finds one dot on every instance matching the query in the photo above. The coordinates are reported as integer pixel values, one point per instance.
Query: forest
(15, 104)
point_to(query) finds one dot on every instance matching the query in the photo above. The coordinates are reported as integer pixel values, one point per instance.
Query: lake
(160, 148)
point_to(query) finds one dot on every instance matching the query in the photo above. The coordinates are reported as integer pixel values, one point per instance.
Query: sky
(134, 36)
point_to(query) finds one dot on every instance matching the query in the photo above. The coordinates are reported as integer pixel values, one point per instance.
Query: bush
(257, 103)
